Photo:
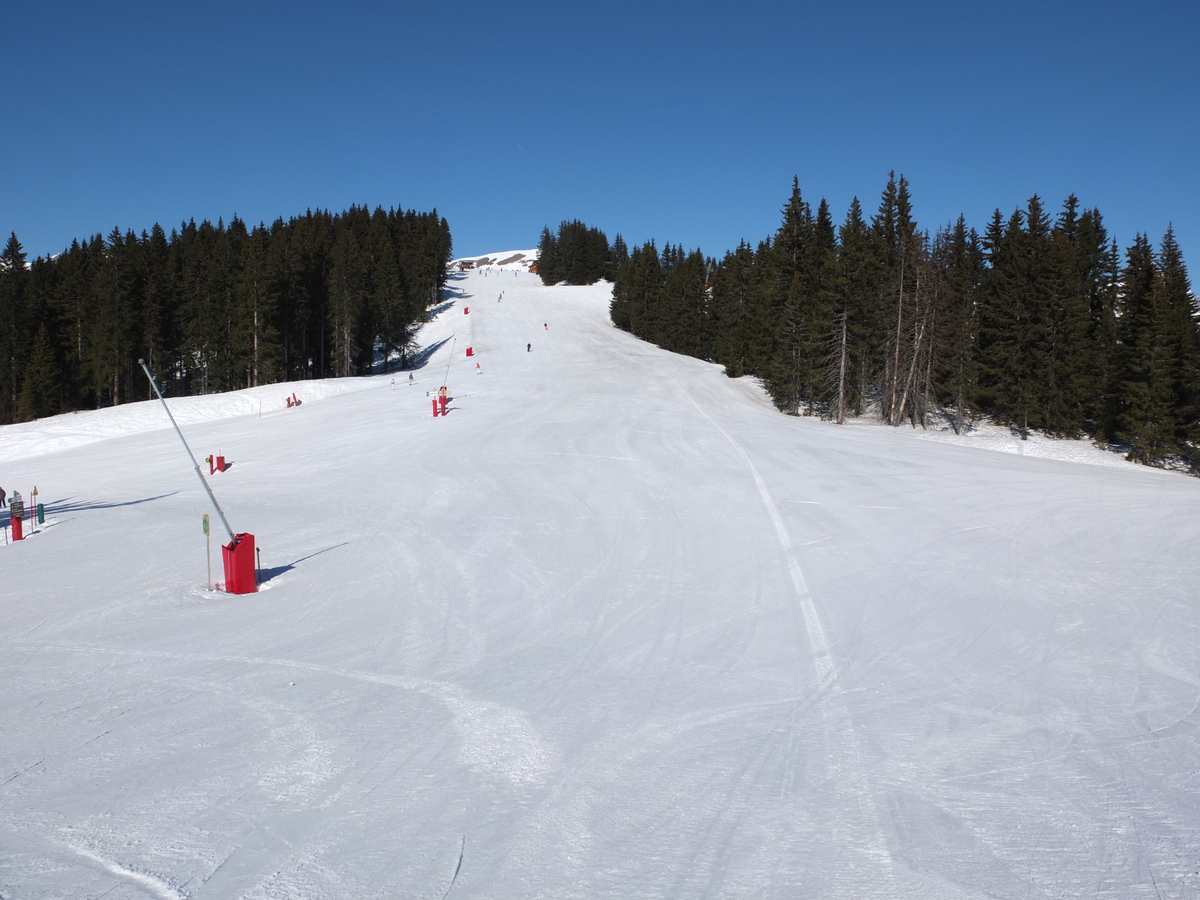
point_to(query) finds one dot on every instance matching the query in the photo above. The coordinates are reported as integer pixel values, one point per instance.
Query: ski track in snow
(148, 883)
(859, 818)
(494, 739)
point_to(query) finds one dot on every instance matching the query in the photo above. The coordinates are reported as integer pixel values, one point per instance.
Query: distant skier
(528, 347)
(544, 325)
(410, 378)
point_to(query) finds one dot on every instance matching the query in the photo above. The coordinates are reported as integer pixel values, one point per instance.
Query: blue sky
(679, 122)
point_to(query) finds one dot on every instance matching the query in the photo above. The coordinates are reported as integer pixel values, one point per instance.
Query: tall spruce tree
(1173, 297)
(347, 289)
(960, 258)
(854, 285)
(901, 252)
(1145, 414)
(736, 290)
(14, 325)
(39, 385)
(645, 291)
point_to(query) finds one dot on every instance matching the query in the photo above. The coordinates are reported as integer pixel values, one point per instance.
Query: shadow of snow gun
(238, 554)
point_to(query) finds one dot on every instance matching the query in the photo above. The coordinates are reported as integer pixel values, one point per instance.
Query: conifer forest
(1040, 322)
(214, 307)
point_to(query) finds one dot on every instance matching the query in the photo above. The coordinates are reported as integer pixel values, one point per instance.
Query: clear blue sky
(681, 122)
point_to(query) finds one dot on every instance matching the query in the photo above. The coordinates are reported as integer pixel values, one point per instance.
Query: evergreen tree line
(576, 255)
(213, 307)
(1038, 323)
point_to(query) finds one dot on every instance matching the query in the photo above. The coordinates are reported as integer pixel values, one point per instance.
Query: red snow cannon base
(238, 556)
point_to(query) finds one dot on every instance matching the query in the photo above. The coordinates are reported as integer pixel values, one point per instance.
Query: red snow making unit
(238, 556)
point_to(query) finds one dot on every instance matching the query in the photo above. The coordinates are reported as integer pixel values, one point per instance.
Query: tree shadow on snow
(266, 573)
(70, 504)
(419, 359)
(434, 311)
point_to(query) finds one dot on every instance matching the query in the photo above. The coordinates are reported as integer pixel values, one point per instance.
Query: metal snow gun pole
(238, 554)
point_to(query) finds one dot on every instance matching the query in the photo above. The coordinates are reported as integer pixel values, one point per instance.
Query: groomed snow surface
(614, 628)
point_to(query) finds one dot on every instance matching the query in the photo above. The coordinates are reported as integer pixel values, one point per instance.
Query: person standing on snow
(528, 347)
(2, 496)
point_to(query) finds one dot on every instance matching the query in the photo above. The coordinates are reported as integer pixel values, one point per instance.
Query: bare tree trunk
(255, 342)
(928, 379)
(893, 415)
(841, 409)
(912, 368)
(899, 412)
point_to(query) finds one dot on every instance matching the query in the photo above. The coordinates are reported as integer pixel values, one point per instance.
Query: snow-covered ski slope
(612, 628)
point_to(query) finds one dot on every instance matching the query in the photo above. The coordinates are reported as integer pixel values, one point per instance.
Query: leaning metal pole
(191, 456)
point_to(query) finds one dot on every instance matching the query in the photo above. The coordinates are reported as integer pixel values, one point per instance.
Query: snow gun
(238, 555)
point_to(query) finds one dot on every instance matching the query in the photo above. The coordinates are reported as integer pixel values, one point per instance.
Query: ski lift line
(188, 450)
(453, 342)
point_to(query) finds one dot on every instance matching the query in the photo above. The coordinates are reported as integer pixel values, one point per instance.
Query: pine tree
(617, 254)
(854, 284)
(1002, 321)
(113, 315)
(1097, 262)
(389, 294)
(902, 253)
(960, 259)
(39, 384)
(787, 256)
(645, 292)
(1177, 307)
(13, 325)
(1145, 409)
(548, 265)
(158, 290)
(1064, 358)
(347, 284)
(683, 311)
(736, 288)
(799, 368)
(256, 339)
